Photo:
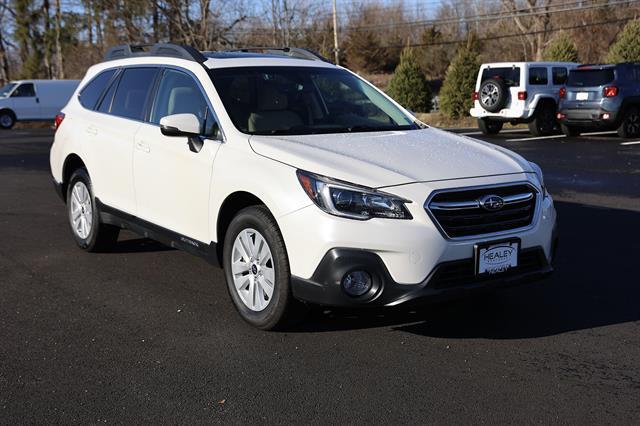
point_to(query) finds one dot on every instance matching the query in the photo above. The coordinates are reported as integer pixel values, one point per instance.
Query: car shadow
(595, 284)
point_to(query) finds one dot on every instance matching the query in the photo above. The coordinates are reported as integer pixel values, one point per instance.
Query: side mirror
(186, 125)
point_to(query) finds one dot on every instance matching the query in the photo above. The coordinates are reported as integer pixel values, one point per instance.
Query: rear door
(117, 118)
(172, 181)
(26, 104)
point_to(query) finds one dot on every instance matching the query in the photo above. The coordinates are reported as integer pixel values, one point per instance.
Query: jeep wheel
(256, 268)
(7, 119)
(544, 121)
(84, 218)
(489, 127)
(630, 124)
(569, 131)
(493, 94)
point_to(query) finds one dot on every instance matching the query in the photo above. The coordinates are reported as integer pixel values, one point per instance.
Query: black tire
(630, 124)
(493, 94)
(100, 237)
(569, 131)
(282, 309)
(544, 122)
(7, 119)
(489, 127)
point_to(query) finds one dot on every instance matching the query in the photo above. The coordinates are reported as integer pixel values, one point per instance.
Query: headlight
(538, 172)
(352, 201)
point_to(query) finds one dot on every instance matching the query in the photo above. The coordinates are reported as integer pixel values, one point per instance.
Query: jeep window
(538, 76)
(559, 75)
(178, 93)
(304, 100)
(25, 90)
(590, 77)
(510, 76)
(132, 92)
(90, 94)
(4, 92)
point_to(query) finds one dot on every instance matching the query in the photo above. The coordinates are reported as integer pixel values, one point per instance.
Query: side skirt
(113, 216)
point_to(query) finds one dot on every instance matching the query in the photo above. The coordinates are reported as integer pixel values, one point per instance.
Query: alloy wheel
(81, 211)
(252, 268)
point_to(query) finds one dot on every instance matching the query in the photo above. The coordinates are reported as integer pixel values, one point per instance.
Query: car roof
(521, 64)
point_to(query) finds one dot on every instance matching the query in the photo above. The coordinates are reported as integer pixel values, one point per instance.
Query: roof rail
(159, 49)
(295, 52)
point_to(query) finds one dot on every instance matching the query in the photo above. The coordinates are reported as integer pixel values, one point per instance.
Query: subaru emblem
(491, 203)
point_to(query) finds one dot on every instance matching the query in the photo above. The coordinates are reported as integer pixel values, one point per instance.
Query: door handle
(142, 146)
(92, 130)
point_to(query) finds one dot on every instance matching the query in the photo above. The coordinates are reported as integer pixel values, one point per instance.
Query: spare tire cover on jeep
(493, 94)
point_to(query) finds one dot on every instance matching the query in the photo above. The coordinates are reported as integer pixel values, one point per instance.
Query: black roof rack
(159, 49)
(295, 52)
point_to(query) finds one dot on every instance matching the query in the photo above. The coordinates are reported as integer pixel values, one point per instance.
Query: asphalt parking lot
(148, 334)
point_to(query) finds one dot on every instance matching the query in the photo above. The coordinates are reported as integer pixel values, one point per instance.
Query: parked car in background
(602, 97)
(519, 92)
(27, 100)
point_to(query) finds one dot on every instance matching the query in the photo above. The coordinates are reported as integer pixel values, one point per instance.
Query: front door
(172, 181)
(26, 104)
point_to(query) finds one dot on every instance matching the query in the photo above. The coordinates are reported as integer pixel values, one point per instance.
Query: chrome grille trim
(472, 208)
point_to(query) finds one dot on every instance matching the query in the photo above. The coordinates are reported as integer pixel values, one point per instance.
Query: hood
(379, 159)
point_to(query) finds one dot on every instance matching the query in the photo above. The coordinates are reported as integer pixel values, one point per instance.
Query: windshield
(4, 92)
(510, 76)
(590, 78)
(304, 100)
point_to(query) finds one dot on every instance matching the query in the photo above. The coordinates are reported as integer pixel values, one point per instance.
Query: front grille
(462, 272)
(460, 213)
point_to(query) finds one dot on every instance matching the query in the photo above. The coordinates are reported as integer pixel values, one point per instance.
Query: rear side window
(590, 78)
(90, 94)
(538, 76)
(25, 90)
(560, 75)
(510, 76)
(132, 92)
(107, 99)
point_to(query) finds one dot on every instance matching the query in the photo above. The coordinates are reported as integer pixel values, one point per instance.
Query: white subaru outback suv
(519, 92)
(306, 183)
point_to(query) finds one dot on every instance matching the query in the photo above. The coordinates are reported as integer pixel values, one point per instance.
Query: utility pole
(336, 48)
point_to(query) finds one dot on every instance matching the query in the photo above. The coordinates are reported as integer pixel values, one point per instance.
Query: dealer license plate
(496, 257)
(582, 96)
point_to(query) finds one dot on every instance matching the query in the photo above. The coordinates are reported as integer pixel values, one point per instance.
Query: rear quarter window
(510, 76)
(559, 75)
(538, 76)
(90, 94)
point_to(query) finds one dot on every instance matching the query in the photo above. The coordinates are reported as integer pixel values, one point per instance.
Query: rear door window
(559, 75)
(510, 76)
(133, 90)
(590, 77)
(25, 90)
(538, 76)
(90, 94)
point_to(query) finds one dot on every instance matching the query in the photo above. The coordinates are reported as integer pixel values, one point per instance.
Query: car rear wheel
(489, 127)
(569, 131)
(630, 125)
(84, 217)
(257, 271)
(7, 120)
(544, 121)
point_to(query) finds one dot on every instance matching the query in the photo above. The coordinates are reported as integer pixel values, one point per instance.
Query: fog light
(357, 283)
(605, 116)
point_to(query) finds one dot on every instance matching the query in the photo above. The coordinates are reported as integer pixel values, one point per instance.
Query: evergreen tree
(561, 49)
(409, 86)
(460, 80)
(627, 46)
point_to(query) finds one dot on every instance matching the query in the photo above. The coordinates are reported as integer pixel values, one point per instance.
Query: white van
(33, 100)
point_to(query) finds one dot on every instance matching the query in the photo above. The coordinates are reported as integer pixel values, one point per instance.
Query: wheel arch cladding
(546, 100)
(234, 202)
(72, 163)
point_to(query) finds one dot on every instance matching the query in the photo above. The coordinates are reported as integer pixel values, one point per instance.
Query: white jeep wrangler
(519, 92)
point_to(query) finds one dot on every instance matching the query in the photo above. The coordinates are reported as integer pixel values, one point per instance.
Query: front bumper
(447, 280)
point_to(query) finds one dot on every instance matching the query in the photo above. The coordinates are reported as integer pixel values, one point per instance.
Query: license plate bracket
(496, 257)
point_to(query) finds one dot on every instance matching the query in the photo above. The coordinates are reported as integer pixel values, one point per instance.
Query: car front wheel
(7, 120)
(84, 218)
(257, 272)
